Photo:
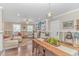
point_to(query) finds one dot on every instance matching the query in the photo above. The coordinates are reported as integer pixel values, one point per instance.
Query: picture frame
(68, 37)
(76, 35)
(68, 24)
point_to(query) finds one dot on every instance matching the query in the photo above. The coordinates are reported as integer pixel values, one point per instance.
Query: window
(30, 28)
(16, 28)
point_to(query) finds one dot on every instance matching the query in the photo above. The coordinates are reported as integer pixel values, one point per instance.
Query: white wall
(71, 15)
(1, 32)
(55, 27)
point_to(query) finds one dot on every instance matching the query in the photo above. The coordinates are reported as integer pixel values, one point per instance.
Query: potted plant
(53, 41)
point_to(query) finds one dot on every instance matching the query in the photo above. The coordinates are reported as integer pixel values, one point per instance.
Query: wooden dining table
(46, 46)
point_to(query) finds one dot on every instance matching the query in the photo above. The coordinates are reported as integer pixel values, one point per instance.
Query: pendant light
(49, 13)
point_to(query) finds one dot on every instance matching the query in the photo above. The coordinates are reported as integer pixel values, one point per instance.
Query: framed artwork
(76, 39)
(68, 24)
(76, 35)
(68, 37)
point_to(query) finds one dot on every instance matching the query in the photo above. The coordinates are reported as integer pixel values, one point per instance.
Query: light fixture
(28, 21)
(49, 13)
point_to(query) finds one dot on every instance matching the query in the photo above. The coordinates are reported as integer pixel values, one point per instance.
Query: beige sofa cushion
(10, 44)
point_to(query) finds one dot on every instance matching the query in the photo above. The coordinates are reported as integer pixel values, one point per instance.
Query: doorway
(30, 31)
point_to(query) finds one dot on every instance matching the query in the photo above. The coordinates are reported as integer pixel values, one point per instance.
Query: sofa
(8, 44)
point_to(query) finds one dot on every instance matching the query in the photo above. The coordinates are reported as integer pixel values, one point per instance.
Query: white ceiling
(34, 11)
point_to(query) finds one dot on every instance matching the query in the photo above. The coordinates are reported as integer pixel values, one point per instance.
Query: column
(1, 30)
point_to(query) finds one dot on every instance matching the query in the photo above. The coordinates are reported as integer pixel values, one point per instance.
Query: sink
(70, 51)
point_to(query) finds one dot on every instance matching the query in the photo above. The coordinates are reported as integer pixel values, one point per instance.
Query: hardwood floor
(22, 50)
